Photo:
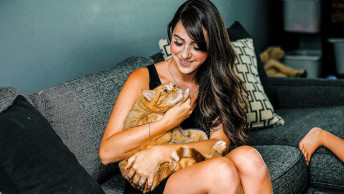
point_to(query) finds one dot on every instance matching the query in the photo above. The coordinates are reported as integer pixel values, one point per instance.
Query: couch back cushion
(7, 95)
(78, 111)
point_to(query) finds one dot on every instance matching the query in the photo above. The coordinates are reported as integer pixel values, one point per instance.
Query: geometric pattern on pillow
(260, 112)
(164, 46)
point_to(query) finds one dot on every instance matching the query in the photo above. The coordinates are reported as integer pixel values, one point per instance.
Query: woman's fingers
(131, 160)
(150, 183)
(131, 173)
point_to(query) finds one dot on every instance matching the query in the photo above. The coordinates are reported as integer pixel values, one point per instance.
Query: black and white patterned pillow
(164, 46)
(260, 112)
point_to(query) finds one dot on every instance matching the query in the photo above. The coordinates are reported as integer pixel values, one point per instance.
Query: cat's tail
(186, 156)
(189, 155)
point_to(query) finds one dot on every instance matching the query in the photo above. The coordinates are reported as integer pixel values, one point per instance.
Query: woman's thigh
(217, 175)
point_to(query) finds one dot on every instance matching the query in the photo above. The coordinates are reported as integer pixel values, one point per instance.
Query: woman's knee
(221, 171)
(249, 161)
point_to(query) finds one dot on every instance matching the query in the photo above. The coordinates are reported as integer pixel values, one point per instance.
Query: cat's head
(163, 97)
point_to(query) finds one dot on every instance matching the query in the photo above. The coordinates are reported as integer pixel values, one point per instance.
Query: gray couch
(78, 111)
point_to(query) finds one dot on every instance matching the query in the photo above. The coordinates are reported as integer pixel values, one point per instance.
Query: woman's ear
(148, 94)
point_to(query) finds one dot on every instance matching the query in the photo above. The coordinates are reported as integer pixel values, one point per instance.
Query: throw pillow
(164, 46)
(236, 32)
(260, 112)
(33, 158)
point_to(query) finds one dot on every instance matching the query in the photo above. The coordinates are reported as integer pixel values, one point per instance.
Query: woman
(201, 54)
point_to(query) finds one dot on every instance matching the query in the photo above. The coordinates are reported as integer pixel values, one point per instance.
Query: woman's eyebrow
(176, 35)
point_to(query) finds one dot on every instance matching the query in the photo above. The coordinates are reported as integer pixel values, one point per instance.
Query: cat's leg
(218, 148)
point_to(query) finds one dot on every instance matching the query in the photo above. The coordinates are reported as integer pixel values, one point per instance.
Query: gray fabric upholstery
(114, 185)
(299, 93)
(78, 111)
(314, 190)
(298, 122)
(7, 95)
(325, 169)
(287, 168)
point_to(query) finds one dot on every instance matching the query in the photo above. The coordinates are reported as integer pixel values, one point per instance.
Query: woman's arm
(117, 144)
(205, 146)
(144, 165)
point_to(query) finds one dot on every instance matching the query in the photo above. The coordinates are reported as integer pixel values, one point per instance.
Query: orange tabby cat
(152, 106)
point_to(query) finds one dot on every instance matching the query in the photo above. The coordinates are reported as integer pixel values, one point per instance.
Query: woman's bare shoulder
(139, 77)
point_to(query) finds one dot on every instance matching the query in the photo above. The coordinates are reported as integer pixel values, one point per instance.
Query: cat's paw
(218, 148)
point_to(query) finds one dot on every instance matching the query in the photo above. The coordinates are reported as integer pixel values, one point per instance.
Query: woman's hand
(144, 165)
(179, 112)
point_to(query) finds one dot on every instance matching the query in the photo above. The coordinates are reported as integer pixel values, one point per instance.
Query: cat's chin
(178, 99)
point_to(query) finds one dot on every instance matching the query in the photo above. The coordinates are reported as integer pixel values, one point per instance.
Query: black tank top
(194, 119)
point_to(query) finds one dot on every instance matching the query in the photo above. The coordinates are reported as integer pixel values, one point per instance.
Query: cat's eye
(165, 91)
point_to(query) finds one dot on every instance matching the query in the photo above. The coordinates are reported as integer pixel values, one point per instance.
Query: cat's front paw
(218, 148)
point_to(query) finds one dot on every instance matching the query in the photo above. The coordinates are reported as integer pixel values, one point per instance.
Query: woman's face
(185, 51)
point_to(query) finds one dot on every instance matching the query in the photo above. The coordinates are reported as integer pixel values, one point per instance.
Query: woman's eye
(178, 43)
(165, 91)
(196, 48)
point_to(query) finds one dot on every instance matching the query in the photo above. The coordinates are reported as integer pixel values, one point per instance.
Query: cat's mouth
(179, 97)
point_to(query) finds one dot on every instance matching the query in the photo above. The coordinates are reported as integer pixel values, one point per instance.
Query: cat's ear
(148, 94)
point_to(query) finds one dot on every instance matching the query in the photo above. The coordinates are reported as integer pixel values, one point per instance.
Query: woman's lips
(185, 63)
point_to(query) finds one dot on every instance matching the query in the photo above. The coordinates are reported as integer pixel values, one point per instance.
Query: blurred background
(43, 43)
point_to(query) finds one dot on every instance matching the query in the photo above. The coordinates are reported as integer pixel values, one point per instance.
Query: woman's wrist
(167, 124)
(165, 152)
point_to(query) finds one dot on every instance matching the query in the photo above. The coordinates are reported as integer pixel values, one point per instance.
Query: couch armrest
(300, 93)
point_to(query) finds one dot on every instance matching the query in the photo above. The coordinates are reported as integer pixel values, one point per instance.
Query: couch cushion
(287, 167)
(78, 111)
(114, 185)
(32, 157)
(325, 169)
(320, 190)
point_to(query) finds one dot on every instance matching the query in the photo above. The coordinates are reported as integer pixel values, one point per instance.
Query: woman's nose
(186, 52)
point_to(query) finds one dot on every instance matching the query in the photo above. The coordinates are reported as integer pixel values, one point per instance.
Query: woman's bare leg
(217, 175)
(254, 175)
(317, 137)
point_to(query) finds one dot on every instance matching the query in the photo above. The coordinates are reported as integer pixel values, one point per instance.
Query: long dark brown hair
(222, 96)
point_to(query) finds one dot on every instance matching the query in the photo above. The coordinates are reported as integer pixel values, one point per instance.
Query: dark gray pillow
(33, 158)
